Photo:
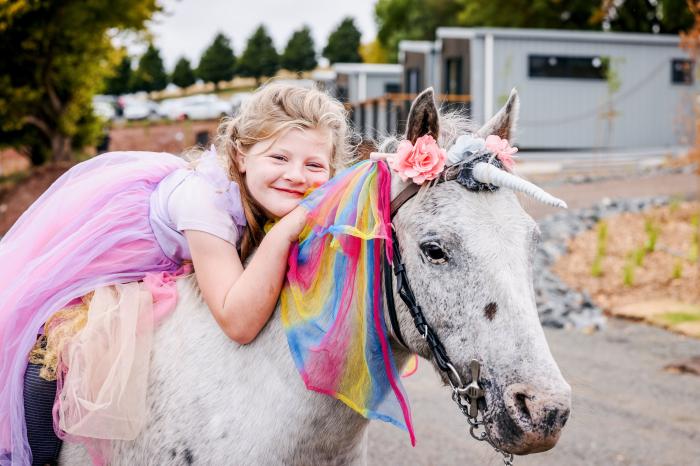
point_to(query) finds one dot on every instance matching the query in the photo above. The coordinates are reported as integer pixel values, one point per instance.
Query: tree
(218, 63)
(55, 57)
(676, 16)
(259, 57)
(120, 81)
(299, 55)
(373, 52)
(344, 43)
(183, 76)
(666, 16)
(399, 20)
(150, 74)
(544, 14)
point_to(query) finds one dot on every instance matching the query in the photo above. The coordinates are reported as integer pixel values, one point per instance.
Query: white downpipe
(488, 76)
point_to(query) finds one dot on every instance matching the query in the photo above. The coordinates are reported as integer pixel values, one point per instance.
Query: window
(392, 88)
(682, 71)
(412, 80)
(552, 66)
(453, 76)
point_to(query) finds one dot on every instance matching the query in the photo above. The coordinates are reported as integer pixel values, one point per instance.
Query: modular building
(578, 89)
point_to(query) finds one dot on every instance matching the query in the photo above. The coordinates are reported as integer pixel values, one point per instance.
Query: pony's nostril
(521, 407)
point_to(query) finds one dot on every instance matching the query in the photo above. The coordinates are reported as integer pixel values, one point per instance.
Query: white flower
(466, 143)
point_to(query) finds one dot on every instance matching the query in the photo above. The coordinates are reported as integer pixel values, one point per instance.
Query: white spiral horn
(490, 174)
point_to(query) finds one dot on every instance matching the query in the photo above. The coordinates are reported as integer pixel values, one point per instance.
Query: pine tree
(299, 55)
(344, 43)
(150, 74)
(218, 62)
(120, 82)
(260, 57)
(183, 76)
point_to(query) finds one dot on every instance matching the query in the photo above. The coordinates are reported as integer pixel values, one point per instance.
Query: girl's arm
(242, 300)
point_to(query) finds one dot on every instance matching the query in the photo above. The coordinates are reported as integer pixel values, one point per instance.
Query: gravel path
(626, 409)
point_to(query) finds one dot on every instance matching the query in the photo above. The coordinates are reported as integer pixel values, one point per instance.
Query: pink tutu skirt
(89, 230)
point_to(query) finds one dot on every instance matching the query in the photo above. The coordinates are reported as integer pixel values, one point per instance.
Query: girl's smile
(278, 174)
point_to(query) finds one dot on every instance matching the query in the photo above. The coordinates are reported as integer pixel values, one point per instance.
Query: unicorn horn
(489, 174)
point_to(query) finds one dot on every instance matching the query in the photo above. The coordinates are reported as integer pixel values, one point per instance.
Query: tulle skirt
(88, 231)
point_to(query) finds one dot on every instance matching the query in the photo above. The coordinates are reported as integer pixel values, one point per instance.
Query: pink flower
(420, 162)
(502, 150)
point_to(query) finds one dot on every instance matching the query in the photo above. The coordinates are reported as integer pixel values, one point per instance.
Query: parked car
(172, 108)
(105, 106)
(137, 109)
(203, 107)
(104, 110)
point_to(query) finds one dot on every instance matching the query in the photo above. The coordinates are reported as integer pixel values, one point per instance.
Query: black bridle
(465, 395)
(462, 173)
(404, 289)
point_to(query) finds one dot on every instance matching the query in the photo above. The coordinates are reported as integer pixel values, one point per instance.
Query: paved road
(626, 409)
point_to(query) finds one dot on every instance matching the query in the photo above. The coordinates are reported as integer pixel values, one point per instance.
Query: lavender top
(198, 197)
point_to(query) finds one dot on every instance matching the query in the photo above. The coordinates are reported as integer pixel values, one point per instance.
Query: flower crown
(425, 160)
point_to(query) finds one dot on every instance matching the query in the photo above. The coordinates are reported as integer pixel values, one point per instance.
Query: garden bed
(641, 265)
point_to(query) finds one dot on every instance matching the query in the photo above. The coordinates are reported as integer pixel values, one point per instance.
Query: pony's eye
(434, 252)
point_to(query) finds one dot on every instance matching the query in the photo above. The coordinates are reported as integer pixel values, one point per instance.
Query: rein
(466, 396)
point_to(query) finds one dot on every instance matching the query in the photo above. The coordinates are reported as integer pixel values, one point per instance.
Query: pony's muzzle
(539, 414)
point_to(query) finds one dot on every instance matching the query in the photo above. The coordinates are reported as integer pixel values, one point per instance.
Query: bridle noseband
(466, 396)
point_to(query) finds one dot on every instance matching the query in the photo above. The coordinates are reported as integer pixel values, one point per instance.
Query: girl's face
(278, 175)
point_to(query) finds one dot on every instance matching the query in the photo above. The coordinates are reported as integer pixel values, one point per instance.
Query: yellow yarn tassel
(58, 330)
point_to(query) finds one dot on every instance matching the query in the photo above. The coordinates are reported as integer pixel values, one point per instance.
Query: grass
(602, 238)
(677, 270)
(597, 267)
(675, 318)
(601, 249)
(638, 256)
(652, 235)
(628, 273)
(693, 252)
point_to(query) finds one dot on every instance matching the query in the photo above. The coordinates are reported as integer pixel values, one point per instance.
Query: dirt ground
(627, 276)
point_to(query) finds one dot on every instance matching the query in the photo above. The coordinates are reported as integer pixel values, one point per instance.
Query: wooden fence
(388, 114)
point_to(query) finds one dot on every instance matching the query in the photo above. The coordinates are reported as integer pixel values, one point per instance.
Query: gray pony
(468, 256)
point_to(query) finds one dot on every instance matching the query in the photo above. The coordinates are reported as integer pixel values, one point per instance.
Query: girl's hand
(293, 223)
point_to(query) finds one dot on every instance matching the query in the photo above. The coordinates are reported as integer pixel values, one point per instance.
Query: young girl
(129, 217)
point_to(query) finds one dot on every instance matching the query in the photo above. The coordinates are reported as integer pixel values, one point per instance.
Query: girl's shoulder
(197, 196)
(205, 181)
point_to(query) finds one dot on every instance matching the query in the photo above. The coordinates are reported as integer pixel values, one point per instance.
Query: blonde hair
(271, 110)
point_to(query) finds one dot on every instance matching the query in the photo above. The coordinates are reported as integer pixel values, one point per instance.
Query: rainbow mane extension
(332, 302)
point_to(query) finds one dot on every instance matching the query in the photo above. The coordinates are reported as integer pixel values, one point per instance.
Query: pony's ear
(423, 117)
(502, 124)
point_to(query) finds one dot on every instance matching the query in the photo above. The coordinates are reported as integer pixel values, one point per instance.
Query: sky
(188, 26)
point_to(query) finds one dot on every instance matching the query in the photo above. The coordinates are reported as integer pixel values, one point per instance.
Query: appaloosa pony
(468, 256)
